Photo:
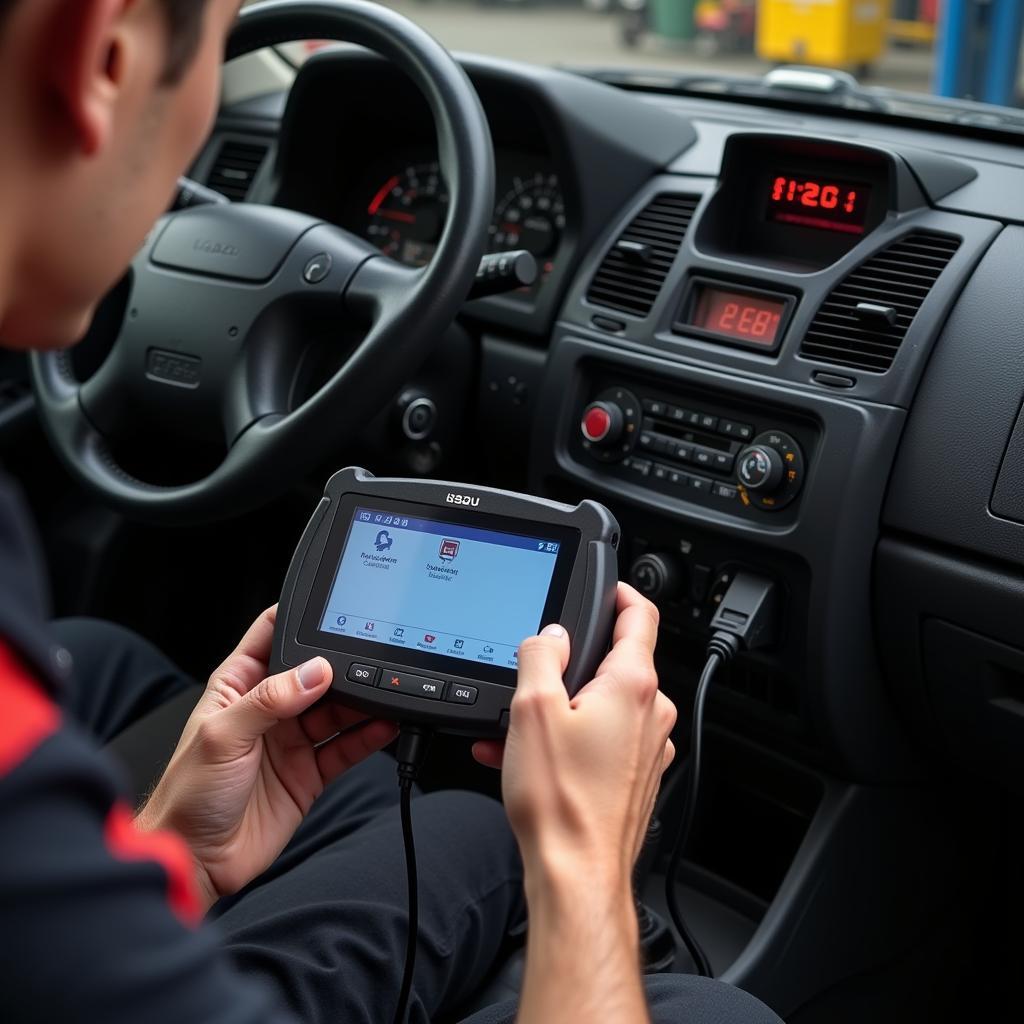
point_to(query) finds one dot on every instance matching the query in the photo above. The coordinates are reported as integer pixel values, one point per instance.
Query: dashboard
(740, 318)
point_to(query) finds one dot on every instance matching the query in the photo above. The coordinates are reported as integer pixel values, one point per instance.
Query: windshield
(900, 56)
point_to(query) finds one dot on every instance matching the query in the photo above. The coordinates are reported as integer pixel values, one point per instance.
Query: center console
(730, 375)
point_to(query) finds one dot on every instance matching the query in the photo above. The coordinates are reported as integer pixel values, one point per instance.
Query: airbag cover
(239, 242)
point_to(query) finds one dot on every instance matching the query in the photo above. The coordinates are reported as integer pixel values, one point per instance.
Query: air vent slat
(900, 276)
(235, 168)
(632, 286)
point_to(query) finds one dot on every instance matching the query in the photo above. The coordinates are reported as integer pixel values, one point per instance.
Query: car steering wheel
(222, 296)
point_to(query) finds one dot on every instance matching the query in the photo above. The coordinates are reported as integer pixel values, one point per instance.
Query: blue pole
(954, 49)
(1005, 28)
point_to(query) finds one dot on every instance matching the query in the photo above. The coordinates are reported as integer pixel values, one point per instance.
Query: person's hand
(580, 776)
(252, 759)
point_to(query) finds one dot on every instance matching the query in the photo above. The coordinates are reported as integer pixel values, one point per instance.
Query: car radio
(419, 593)
(696, 450)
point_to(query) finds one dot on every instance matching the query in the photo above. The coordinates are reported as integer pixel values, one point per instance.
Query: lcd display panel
(434, 587)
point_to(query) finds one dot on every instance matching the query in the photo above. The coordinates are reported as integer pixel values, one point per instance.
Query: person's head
(103, 104)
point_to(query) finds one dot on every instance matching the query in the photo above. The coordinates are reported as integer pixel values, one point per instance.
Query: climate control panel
(740, 460)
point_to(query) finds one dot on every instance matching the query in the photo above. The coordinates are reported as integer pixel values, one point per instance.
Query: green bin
(673, 19)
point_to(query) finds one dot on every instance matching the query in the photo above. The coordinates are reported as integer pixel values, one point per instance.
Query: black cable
(405, 801)
(745, 618)
(411, 752)
(693, 947)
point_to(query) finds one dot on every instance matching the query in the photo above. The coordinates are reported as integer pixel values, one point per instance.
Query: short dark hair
(184, 24)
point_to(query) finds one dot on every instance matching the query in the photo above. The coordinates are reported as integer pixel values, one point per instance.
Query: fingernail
(553, 630)
(311, 674)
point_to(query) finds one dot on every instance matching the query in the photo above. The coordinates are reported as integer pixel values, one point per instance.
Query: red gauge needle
(405, 218)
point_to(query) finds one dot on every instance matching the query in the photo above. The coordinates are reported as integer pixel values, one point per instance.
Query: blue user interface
(439, 587)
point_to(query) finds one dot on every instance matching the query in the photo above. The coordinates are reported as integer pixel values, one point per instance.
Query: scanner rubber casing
(588, 611)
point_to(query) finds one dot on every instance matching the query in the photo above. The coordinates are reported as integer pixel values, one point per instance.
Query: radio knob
(601, 423)
(657, 577)
(760, 468)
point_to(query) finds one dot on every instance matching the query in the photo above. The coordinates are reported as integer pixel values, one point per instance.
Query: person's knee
(464, 804)
(472, 820)
(81, 634)
(685, 997)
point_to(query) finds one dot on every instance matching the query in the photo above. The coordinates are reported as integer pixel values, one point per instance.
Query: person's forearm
(582, 953)
(149, 818)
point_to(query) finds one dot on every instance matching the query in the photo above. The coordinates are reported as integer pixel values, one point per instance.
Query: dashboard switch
(657, 577)
(601, 423)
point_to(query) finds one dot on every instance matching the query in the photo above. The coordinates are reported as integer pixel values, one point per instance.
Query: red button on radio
(601, 423)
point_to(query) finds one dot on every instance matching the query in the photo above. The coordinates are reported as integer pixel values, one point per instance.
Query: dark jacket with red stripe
(98, 922)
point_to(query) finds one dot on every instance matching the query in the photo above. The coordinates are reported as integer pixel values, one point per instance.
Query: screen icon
(342, 619)
(553, 548)
(448, 550)
(429, 638)
(399, 632)
(387, 520)
(377, 518)
(364, 517)
(369, 627)
(540, 545)
(405, 522)
(488, 650)
(383, 541)
(459, 644)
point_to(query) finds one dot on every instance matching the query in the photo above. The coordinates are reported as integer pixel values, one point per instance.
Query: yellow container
(832, 33)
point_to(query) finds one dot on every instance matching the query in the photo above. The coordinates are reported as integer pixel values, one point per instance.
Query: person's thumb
(542, 662)
(280, 697)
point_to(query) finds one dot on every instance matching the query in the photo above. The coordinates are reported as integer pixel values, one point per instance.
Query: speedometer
(531, 216)
(407, 214)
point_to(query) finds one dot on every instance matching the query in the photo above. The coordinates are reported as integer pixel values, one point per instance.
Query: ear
(86, 63)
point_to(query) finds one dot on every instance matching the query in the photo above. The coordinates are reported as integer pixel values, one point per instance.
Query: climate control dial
(770, 471)
(760, 468)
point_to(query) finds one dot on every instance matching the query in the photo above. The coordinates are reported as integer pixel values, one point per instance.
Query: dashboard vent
(863, 321)
(634, 269)
(235, 168)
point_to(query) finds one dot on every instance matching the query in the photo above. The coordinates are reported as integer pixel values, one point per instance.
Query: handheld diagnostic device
(419, 594)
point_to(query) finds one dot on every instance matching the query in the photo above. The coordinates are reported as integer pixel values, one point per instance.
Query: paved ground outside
(564, 34)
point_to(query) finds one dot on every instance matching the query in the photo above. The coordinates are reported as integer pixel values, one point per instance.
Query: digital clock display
(825, 203)
(752, 318)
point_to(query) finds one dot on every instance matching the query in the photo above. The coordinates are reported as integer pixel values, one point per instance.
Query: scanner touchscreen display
(439, 587)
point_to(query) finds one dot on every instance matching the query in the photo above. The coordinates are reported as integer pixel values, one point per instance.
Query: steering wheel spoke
(381, 286)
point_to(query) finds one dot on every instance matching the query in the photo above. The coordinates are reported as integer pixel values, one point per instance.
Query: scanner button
(366, 674)
(415, 686)
(459, 693)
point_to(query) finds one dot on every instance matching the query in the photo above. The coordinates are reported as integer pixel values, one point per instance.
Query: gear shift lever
(657, 943)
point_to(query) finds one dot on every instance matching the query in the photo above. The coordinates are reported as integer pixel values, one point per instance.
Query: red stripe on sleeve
(127, 842)
(27, 715)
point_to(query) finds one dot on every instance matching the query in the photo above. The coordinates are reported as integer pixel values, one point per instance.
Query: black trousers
(327, 922)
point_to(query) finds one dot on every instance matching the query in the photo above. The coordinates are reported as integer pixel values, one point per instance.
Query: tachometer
(407, 214)
(531, 216)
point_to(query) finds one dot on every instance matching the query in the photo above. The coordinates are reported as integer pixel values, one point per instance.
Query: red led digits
(751, 318)
(818, 203)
